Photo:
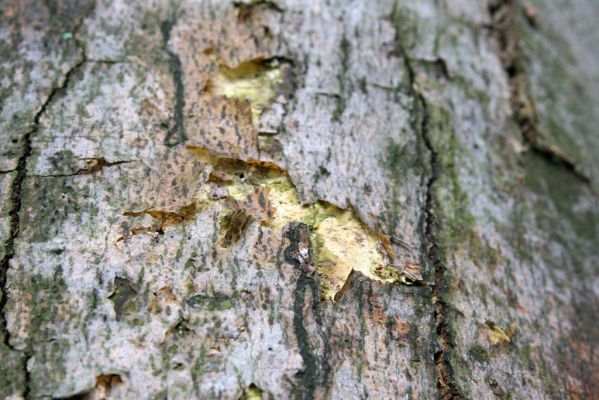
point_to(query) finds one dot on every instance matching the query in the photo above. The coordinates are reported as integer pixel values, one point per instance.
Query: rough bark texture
(460, 133)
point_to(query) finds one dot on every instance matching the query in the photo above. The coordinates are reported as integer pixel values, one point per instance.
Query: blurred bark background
(460, 133)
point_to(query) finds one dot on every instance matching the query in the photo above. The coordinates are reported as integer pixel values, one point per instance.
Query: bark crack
(16, 191)
(444, 371)
(17, 188)
(445, 379)
(504, 32)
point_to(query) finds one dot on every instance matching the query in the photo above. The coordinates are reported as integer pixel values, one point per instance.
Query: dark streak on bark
(106, 61)
(176, 133)
(326, 351)
(345, 48)
(309, 375)
(444, 371)
(504, 32)
(445, 379)
(316, 371)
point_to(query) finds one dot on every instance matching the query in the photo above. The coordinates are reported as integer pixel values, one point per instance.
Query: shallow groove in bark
(504, 31)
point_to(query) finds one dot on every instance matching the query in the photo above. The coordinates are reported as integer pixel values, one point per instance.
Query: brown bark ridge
(299, 199)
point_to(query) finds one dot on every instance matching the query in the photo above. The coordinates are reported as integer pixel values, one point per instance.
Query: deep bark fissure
(504, 31)
(16, 191)
(444, 372)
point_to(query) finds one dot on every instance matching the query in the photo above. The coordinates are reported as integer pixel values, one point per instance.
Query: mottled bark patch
(217, 302)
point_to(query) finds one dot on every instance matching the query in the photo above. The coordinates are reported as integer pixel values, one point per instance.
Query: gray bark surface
(444, 154)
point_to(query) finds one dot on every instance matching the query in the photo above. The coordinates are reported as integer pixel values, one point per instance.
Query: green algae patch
(218, 302)
(479, 354)
(12, 378)
(340, 242)
(255, 81)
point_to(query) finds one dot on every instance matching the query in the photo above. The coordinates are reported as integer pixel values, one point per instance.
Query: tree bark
(299, 199)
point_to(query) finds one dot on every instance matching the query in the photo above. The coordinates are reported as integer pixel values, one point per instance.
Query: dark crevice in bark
(27, 391)
(106, 62)
(504, 32)
(16, 192)
(445, 379)
(431, 252)
(176, 132)
(553, 155)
